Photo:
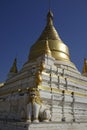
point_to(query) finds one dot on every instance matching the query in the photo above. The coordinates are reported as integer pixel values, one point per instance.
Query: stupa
(48, 92)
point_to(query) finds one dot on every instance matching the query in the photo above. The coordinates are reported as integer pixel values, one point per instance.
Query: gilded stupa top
(49, 32)
(58, 49)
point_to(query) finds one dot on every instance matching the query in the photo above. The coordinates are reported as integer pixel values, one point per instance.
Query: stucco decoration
(36, 110)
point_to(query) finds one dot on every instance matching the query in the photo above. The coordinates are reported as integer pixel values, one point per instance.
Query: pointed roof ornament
(50, 15)
(49, 30)
(14, 67)
(49, 18)
(47, 51)
(84, 71)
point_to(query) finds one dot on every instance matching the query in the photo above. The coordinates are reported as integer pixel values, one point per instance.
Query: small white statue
(36, 111)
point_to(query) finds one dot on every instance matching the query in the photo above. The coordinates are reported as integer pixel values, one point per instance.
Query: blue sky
(22, 21)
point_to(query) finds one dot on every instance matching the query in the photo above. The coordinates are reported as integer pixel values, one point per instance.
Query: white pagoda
(48, 92)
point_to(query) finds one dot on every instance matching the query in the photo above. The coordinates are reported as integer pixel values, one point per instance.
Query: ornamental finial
(50, 18)
(84, 71)
(47, 51)
(14, 67)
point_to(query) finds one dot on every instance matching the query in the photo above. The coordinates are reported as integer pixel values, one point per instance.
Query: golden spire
(14, 67)
(84, 71)
(49, 18)
(58, 49)
(49, 32)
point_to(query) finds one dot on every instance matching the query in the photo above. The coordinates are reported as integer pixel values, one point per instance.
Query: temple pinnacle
(84, 71)
(58, 49)
(14, 67)
(50, 18)
(47, 51)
